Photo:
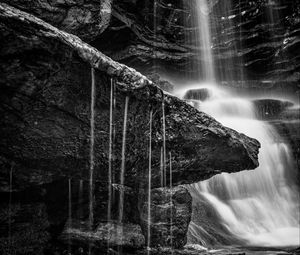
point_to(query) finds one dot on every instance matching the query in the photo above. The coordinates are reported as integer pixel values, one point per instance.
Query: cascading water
(256, 207)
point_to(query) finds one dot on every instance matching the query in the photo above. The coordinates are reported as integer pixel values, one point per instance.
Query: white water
(259, 207)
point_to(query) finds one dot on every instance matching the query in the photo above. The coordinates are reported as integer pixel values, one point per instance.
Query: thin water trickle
(171, 200)
(149, 185)
(110, 151)
(69, 214)
(80, 198)
(92, 141)
(164, 143)
(122, 175)
(10, 207)
(161, 166)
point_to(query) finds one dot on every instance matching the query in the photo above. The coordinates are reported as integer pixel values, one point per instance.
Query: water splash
(149, 185)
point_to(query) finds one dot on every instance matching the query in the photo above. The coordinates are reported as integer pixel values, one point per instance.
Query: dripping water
(149, 185)
(80, 198)
(164, 143)
(110, 151)
(10, 208)
(171, 200)
(161, 166)
(92, 161)
(122, 175)
(69, 215)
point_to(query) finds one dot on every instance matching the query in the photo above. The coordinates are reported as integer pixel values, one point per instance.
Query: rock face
(86, 19)
(170, 216)
(45, 84)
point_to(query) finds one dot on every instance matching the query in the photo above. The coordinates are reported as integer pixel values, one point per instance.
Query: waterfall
(149, 184)
(257, 207)
(121, 201)
(161, 166)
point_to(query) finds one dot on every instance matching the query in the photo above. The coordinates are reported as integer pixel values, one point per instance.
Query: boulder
(45, 136)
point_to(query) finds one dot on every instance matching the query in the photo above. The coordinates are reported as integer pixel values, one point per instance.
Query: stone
(170, 216)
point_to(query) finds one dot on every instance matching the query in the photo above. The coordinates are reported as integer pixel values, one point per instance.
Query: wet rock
(170, 216)
(126, 235)
(270, 108)
(86, 19)
(197, 94)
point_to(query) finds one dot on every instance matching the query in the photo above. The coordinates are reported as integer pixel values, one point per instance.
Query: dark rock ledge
(45, 135)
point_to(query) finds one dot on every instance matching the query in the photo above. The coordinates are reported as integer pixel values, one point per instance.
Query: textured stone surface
(170, 216)
(86, 19)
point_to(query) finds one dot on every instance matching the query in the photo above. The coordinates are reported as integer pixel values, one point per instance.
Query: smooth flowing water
(258, 207)
(204, 40)
(149, 184)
